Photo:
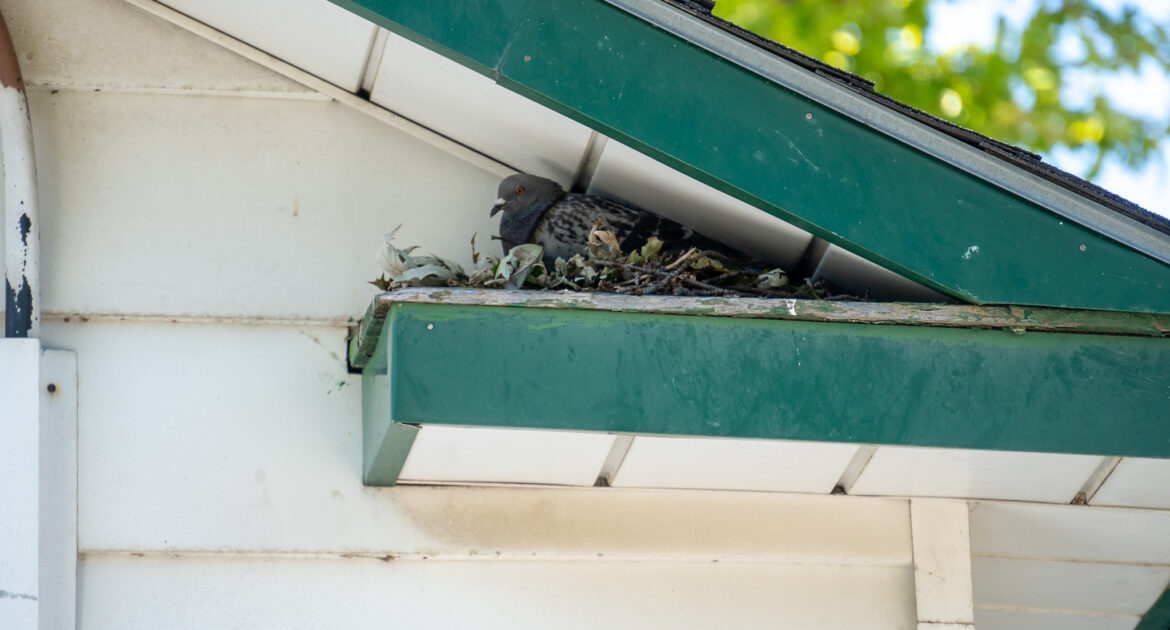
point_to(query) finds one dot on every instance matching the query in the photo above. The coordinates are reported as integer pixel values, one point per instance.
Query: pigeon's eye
(519, 190)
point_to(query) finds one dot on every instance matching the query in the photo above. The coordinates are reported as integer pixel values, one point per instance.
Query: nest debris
(651, 269)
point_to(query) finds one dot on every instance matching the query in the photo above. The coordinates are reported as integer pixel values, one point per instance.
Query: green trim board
(1014, 318)
(385, 445)
(649, 373)
(784, 153)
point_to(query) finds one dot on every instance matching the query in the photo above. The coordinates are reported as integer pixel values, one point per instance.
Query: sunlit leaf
(1037, 84)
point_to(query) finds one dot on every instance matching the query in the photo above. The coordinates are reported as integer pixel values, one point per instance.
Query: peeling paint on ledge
(1018, 319)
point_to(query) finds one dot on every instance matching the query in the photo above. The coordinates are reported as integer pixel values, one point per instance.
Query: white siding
(210, 437)
(208, 231)
(208, 592)
(205, 246)
(1070, 532)
(224, 206)
(1117, 589)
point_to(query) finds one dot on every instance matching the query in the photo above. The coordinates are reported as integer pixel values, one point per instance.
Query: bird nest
(652, 269)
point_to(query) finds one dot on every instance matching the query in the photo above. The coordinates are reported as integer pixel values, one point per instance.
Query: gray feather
(537, 210)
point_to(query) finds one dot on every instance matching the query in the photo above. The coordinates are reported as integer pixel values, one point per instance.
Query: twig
(681, 259)
(700, 293)
(710, 287)
(658, 286)
(623, 265)
(756, 290)
(724, 276)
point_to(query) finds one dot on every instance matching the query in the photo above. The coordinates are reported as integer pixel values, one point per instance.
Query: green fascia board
(385, 445)
(474, 33)
(1158, 616)
(782, 152)
(647, 373)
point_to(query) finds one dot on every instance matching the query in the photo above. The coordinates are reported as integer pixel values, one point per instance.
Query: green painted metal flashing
(773, 148)
(647, 373)
(385, 445)
(1158, 617)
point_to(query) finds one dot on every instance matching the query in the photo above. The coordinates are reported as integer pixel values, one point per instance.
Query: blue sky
(961, 21)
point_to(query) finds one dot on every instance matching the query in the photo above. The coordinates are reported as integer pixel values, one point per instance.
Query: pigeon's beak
(496, 208)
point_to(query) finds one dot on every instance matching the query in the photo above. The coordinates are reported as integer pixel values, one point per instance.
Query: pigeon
(538, 210)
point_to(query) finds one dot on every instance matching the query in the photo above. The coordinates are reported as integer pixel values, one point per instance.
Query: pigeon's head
(521, 196)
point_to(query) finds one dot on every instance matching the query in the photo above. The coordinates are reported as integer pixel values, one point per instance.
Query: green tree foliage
(1022, 89)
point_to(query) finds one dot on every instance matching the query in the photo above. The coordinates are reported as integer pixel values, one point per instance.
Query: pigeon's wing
(564, 230)
(632, 226)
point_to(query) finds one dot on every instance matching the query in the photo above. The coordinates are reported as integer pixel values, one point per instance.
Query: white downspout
(22, 296)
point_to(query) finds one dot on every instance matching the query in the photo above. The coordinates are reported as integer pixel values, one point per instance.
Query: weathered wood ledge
(1018, 319)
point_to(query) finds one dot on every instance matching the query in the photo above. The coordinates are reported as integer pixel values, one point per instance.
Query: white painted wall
(208, 231)
(331, 593)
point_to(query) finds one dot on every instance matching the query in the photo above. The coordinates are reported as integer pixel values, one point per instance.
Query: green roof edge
(367, 334)
(779, 150)
(646, 372)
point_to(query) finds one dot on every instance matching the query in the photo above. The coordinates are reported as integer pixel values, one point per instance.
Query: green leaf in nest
(650, 250)
(706, 262)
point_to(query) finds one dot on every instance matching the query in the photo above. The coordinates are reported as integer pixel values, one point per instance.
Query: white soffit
(866, 279)
(112, 45)
(906, 471)
(318, 37)
(626, 174)
(464, 105)
(470, 454)
(1071, 586)
(731, 464)
(1137, 482)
